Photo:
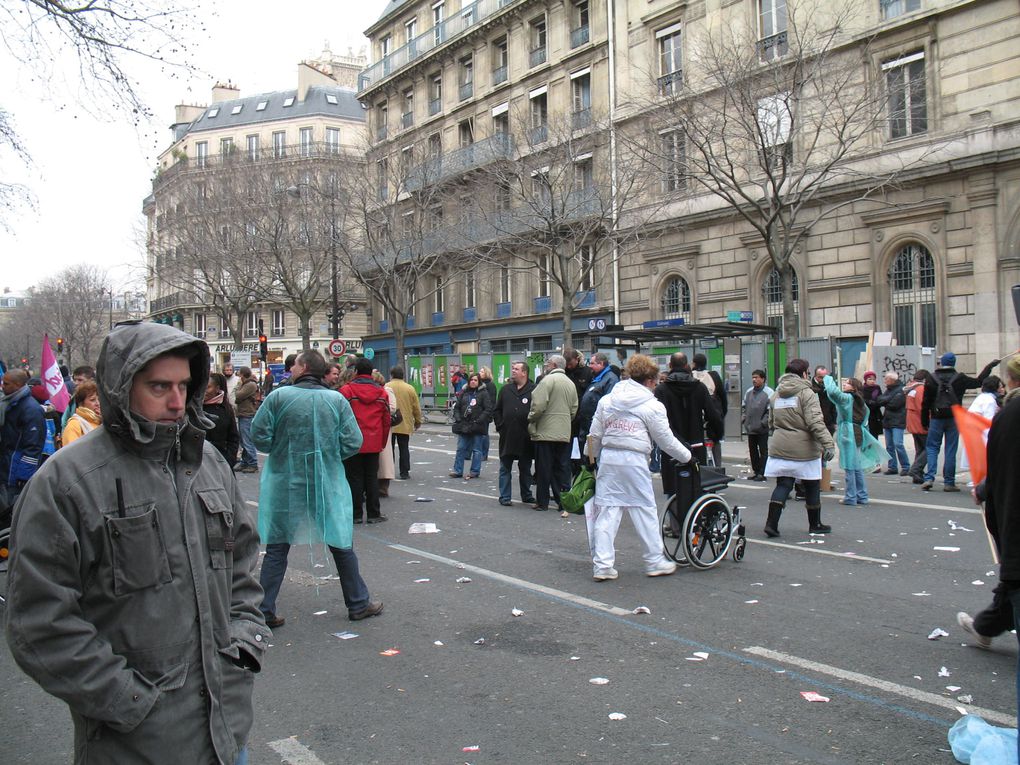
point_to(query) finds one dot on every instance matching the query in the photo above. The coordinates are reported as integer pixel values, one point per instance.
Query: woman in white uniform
(628, 420)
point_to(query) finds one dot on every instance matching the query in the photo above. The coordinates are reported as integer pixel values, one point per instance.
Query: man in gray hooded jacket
(131, 592)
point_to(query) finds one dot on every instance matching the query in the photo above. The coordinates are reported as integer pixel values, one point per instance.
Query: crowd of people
(113, 471)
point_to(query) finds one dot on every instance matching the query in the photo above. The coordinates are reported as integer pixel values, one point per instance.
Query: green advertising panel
(440, 380)
(469, 363)
(535, 363)
(500, 368)
(414, 373)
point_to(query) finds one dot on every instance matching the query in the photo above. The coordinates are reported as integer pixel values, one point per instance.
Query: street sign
(369, 353)
(659, 323)
(337, 347)
(597, 324)
(708, 343)
(240, 359)
(745, 316)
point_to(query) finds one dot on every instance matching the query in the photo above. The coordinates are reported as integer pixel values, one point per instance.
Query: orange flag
(973, 430)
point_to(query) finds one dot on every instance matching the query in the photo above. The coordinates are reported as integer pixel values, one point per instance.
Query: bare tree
(551, 201)
(393, 238)
(781, 130)
(12, 195)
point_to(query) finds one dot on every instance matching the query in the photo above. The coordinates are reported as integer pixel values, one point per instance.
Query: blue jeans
(249, 456)
(506, 465)
(242, 757)
(894, 445)
(468, 445)
(936, 430)
(274, 566)
(856, 490)
(485, 446)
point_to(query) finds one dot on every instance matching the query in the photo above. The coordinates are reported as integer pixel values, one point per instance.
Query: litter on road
(424, 499)
(474, 748)
(642, 610)
(480, 641)
(422, 528)
(936, 633)
(463, 579)
(389, 652)
(943, 672)
(516, 612)
(812, 696)
(617, 716)
(421, 581)
(345, 635)
(599, 681)
(947, 549)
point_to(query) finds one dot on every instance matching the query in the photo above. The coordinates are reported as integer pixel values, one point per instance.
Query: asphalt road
(846, 615)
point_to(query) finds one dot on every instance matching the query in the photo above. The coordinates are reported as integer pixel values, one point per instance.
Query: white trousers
(604, 522)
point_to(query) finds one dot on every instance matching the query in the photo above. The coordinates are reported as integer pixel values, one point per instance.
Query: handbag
(396, 418)
(580, 491)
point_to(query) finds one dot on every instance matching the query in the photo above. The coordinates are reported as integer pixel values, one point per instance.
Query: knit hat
(869, 373)
(39, 393)
(948, 359)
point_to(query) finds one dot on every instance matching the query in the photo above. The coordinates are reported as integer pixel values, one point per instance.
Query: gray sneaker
(966, 622)
(605, 574)
(663, 569)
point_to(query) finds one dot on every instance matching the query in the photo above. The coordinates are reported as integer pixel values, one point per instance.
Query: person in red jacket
(916, 427)
(371, 405)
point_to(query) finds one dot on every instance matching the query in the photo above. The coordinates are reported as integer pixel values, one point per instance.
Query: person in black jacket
(717, 393)
(688, 408)
(511, 418)
(224, 435)
(939, 419)
(471, 414)
(580, 374)
(828, 408)
(485, 376)
(602, 382)
(894, 423)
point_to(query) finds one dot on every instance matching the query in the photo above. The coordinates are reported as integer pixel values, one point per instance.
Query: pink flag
(54, 381)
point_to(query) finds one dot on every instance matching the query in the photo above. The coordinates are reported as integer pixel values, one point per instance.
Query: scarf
(217, 399)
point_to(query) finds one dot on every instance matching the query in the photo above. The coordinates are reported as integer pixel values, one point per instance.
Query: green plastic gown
(304, 497)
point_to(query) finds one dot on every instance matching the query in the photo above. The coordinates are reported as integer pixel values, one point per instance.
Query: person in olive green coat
(411, 419)
(553, 406)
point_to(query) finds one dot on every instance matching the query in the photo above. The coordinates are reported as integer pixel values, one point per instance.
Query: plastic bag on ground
(975, 742)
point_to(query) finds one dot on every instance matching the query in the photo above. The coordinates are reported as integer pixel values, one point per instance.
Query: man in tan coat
(410, 413)
(553, 406)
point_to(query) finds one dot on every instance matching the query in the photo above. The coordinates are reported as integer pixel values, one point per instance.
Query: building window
(198, 323)
(470, 290)
(253, 147)
(385, 47)
(505, 295)
(201, 195)
(466, 132)
(407, 118)
(893, 8)
(438, 14)
(912, 289)
(772, 43)
(907, 95)
(202, 150)
(440, 295)
(671, 63)
(466, 78)
(674, 156)
(279, 322)
(580, 33)
(279, 144)
(676, 299)
(539, 116)
(381, 116)
(501, 124)
(775, 123)
(435, 93)
(435, 145)
(584, 173)
(305, 139)
(226, 147)
(332, 140)
(382, 179)
(406, 162)
(545, 269)
(500, 61)
(537, 40)
(772, 290)
(410, 30)
(580, 90)
(586, 267)
(251, 324)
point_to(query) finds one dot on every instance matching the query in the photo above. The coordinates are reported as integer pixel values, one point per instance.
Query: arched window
(676, 299)
(912, 291)
(772, 291)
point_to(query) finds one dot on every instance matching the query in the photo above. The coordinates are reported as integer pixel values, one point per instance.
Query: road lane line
(430, 449)
(813, 549)
(921, 505)
(294, 753)
(469, 493)
(868, 681)
(522, 583)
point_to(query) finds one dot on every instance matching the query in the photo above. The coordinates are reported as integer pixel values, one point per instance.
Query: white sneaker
(663, 569)
(966, 622)
(605, 574)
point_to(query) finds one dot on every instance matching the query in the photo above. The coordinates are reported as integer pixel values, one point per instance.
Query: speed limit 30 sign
(337, 347)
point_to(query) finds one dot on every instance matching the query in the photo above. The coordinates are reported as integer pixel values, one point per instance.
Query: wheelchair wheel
(707, 531)
(5, 561)
(670, 525)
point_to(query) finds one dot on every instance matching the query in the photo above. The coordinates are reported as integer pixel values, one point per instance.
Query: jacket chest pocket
(219, 526)
(138, 551)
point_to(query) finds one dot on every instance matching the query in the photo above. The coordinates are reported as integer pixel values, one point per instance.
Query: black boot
(814, 516)
(772, 522)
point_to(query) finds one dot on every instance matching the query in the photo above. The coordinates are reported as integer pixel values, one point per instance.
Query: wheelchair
(698, 527)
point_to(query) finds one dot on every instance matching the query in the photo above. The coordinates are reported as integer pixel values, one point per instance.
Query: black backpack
(945, 397)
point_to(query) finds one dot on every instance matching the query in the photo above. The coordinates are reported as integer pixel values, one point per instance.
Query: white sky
(89, 176)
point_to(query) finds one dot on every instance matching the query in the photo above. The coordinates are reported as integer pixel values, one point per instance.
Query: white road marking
(946, 702)
(469, 493)
(251, 502)
(810, 549)
(921, 505)
(294, 753)
(437, 451)
(522, 583)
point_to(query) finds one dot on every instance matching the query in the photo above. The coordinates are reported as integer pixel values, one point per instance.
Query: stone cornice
(960, 269)
(839, 282)
(935, 208)
(678, 252)
(740, 293)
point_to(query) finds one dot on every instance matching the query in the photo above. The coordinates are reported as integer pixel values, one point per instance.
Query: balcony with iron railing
(536, 56)
(470, 17)
(465, 90)
(380, 133)
(438, 318)
(670, 84)
(499, 75)
(773, 47)
(539, 134)
(435, 106)
(475, 155)
(504, 310)
(543, 304)
(581, 119)
(407, 120)
(470, 313)
(282, 153)
(579, 36)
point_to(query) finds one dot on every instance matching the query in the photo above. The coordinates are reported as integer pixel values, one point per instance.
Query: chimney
(186, 113)
(225, 92)
(309, 74)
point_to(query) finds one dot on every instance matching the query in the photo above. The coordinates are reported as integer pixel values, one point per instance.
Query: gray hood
(127, 349)
(791, 385)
